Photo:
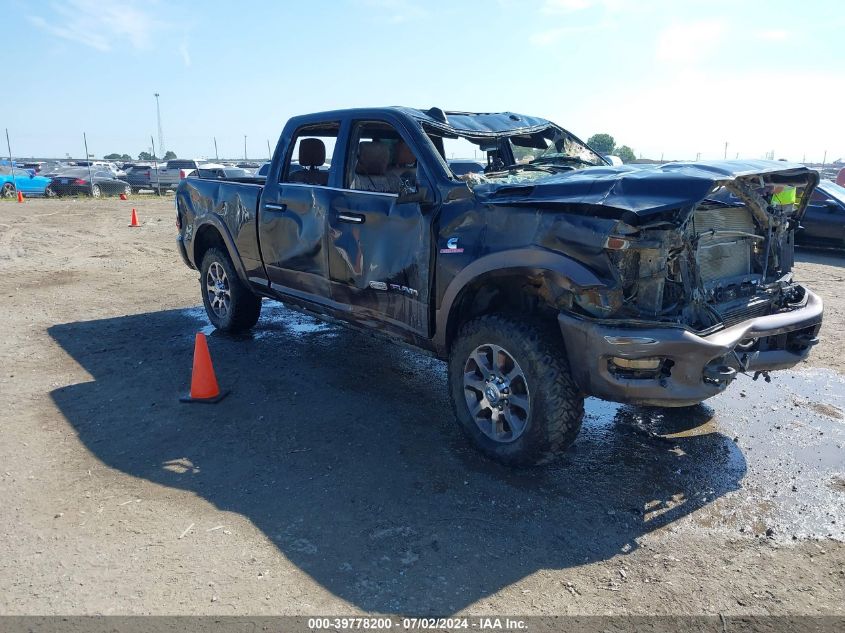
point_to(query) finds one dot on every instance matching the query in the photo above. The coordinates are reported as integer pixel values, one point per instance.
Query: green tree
(169, 155)
(625, 153)
(113, 156)
(145, 156)
(602, 143)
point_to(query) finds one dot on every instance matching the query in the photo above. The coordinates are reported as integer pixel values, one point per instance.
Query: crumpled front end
(696, 294)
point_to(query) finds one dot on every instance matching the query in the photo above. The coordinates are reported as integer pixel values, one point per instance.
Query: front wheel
(231, 306)
(8, 190)
(48, 192)
(511, 389)
(95, 191)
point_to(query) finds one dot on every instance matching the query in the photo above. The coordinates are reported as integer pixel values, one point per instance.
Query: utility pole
(697, 156)
(11, 162)
(726, 150)
(216, 155)
(244, 146)
(90, 179)
(269, 153)
(824, 160)
(160, 132)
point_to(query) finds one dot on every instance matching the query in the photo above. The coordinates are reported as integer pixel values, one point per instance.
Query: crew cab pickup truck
(549, 277)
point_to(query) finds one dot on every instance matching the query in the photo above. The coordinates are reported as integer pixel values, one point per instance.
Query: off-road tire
(557, 405)
(245, 307)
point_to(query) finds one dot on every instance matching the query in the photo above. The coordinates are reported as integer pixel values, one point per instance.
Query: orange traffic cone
(204, 386)
(123, 196)
(134, 220)
(20, 196)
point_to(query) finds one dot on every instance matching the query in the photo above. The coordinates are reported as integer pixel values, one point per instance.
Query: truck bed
(232, 207)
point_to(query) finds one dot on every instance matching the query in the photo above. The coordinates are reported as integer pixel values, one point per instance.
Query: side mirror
(420, 195)
(831, 206)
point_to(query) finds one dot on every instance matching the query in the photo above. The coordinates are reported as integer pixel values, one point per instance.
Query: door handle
(354, 218)
(275, 207)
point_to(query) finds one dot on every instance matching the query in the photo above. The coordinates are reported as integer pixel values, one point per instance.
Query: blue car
(24, 180)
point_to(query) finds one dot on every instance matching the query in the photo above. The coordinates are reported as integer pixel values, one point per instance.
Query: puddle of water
(276, 321)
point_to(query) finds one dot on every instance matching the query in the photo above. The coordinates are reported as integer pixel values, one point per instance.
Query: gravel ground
(333, 480)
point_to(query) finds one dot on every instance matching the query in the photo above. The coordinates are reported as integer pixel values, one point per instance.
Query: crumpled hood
(644, 190)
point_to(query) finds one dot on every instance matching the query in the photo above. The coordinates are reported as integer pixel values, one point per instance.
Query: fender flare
(214, 221)
(526, 260)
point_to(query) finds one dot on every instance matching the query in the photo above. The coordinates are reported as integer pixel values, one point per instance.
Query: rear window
(181, 164)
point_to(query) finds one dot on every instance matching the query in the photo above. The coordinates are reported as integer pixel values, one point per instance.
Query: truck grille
(723, 256)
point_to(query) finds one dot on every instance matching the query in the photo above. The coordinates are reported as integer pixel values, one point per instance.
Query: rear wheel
(95, 191)
(231, 306)
(512, 391)
(49, 192)
(8, 190)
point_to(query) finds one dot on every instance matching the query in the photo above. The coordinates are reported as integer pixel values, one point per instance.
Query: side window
(309, 161)
(379, 160)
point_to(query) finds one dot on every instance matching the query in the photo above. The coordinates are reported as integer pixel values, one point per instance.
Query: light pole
(244, 146)
(158, 119)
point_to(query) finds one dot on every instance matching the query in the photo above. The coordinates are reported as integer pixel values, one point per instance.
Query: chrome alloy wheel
(217, 288)
(496, 393)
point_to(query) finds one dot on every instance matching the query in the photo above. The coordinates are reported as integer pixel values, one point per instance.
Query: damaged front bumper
(672, 366)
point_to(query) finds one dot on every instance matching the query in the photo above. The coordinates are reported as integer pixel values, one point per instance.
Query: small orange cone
(123, 196)
(20, 196)
(204, 386)
(134, 220)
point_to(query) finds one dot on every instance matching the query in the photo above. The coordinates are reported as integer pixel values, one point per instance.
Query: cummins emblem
(452, 246)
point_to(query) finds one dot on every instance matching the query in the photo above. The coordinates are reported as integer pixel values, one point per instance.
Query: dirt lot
(333, 480)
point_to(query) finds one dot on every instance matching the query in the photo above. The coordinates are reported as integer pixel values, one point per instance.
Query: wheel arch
(532, 279)
(212, 233)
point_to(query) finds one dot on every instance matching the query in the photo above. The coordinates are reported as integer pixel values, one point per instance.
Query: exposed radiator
(723, 256)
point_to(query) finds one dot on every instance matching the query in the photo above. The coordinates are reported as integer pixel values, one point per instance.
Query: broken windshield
(516, 157)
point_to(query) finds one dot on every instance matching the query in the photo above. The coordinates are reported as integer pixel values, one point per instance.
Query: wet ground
(333, 478)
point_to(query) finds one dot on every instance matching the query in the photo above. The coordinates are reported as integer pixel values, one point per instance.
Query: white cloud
(689, 42)
(552, 36)
(185, 53)
(773, 35)
(98, 24)
(681, 114)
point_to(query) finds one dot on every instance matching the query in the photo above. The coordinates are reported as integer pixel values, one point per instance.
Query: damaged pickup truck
(549, 277)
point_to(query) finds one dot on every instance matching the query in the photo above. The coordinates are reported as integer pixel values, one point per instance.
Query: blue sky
(664, 77)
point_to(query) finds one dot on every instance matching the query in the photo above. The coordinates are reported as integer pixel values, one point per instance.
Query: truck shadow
(342, 449)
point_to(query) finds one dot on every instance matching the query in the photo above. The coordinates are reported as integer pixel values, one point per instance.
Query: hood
(639, 192)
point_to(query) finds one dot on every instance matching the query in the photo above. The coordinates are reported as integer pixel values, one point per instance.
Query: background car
(23, 180)
(142, 177)
(77, 181)
(824, 219)
(461, 167)
(222, 173)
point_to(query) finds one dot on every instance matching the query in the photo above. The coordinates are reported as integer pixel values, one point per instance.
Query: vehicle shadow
(342, 449)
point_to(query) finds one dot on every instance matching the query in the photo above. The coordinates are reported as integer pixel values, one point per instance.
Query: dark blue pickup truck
(549, 277)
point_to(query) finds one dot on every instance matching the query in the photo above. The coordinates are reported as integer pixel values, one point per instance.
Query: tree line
(142, 156)
(606, 144)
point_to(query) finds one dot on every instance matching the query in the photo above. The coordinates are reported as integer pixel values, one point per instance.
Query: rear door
(379, 245)
(293, 212)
